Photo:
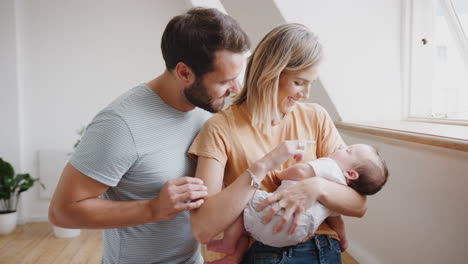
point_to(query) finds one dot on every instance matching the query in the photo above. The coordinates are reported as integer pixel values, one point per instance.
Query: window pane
(450, 81)
(461, 7)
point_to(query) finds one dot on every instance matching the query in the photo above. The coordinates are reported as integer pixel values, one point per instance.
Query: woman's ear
(351, 174)
(184, 73)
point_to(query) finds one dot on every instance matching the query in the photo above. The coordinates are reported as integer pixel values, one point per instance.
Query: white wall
(256, 17)
(74, 58)
(362, 50)
(420, 216)
(9, 94)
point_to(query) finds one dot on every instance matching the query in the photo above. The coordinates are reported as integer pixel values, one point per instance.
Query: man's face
(209, 91)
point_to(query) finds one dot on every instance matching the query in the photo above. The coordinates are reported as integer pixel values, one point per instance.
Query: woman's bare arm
(221, 207)
(342, 199)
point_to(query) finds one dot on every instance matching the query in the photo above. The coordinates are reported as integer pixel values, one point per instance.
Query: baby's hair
(373, 174)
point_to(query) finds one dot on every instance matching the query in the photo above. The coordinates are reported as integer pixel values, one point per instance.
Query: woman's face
(295, 86)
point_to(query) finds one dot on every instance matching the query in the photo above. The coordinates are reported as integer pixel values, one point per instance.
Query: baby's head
(365, 170)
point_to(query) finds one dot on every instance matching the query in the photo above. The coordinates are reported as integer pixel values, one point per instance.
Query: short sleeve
(212, 141)
(107, 149)
(328, 169)
(328, 136)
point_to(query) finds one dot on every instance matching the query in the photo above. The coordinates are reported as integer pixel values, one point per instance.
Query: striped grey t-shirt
(135, 145)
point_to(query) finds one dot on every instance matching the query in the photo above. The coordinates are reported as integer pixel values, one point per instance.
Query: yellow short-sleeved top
(229, 138)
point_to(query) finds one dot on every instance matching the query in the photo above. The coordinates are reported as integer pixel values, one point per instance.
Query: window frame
(417, 27)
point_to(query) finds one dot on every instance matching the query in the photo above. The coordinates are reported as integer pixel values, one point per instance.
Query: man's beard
(197, 94)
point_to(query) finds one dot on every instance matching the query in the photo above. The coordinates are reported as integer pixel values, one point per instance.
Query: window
(438, 59)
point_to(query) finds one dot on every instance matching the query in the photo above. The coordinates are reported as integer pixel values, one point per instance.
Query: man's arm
(76, 203)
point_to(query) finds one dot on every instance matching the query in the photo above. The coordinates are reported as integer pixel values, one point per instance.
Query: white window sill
(440, 135)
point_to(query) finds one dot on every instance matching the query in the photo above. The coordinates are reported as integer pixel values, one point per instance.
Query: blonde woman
(239, 147)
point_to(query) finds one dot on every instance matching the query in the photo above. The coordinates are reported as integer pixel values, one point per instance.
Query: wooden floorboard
(347, 259)
(35, 243)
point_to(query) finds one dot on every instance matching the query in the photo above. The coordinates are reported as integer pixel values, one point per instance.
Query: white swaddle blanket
(308, 222)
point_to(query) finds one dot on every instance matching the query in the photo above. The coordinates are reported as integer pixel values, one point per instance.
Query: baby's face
(347, 157)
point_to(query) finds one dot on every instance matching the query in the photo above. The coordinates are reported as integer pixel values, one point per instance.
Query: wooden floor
(35, 243)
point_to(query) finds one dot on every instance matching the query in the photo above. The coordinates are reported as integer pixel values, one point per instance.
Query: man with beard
(130, 175)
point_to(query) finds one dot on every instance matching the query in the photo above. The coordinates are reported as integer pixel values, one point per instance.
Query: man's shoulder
(137, 97)
(124, 100)
(202, 114)
(128, 106)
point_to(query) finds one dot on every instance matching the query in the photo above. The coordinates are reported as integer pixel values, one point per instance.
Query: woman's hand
(284, 151)
(294, 200)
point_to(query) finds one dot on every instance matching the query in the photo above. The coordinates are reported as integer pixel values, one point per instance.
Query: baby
(359, 166)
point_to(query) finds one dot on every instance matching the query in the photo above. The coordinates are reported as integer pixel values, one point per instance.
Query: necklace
(276, 121)
(282, 116)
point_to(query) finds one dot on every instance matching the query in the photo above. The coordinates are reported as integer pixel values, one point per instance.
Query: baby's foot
(219, 246)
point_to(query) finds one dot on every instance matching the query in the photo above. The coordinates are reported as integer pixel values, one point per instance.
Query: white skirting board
(35, 219)
(51, 164)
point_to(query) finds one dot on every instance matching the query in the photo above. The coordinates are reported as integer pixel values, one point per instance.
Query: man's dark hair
(373, 174)
(194, 37)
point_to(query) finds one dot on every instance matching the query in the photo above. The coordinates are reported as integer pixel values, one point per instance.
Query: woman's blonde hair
(287, 48)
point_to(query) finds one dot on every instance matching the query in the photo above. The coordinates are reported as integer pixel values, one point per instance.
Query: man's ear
(184, 73)
(351, 174)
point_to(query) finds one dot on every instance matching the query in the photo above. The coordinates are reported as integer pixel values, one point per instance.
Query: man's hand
(178, 195)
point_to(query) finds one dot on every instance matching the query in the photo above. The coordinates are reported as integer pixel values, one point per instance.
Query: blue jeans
(320, 249)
